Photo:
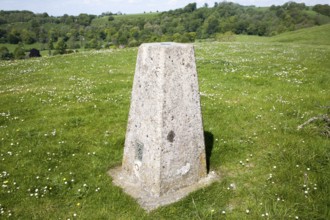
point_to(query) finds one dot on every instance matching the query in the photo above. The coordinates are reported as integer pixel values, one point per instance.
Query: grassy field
(127, 17)
(63, 121)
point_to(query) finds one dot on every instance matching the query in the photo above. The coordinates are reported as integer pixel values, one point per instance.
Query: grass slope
(63, 121)
(318, 35)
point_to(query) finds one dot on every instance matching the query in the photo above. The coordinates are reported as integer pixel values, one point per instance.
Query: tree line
(64, 33)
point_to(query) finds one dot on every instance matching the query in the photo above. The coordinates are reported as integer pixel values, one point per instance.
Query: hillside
(181, 25)
(319, 35)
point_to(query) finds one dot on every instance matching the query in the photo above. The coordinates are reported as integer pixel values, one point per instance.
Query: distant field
(63, 122)
(137, 16)
(127, 17)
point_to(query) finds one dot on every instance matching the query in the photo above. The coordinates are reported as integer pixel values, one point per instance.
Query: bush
(56, 52)
(5, 54)
(93, 44)
(19, 52)
(226, 37)
(60, 46)
(133, 43)
(72, 51)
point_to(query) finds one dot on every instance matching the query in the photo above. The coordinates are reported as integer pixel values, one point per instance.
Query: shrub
(61, 46)
(226, 37)
(133, 43)
(19, 52)
(5, 54)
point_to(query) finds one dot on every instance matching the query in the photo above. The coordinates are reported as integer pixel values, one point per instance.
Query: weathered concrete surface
(164, 153)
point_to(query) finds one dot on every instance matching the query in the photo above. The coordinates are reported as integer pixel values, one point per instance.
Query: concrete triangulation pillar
(164, 154)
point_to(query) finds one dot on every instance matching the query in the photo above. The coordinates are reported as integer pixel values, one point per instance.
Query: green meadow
(63, 122)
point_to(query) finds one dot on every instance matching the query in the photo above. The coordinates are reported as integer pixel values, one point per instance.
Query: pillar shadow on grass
(209, 141)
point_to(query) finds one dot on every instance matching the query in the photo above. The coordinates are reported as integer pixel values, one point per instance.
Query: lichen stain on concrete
(202, 161)
(170, 136)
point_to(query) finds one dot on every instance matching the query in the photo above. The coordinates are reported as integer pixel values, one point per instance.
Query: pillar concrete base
(150, 202)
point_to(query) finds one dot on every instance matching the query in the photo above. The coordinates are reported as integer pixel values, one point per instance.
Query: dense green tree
(60, 46)
(211, 25)
(28, 37)
(14, 37)
(53, 35)
(102, 34)
(50, 44)
(176, 37)
(85, 19)
(322, 9)
(66, 19)
(111, 18)
(190, 7)
(3, 21)
(123, 37)
(3, 35)
(133, 43)
(291, 5)
(42, 35)
(93, 44)
(72, 43)
(135, 32)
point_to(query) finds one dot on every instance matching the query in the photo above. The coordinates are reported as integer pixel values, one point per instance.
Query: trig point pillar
(164, 154)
